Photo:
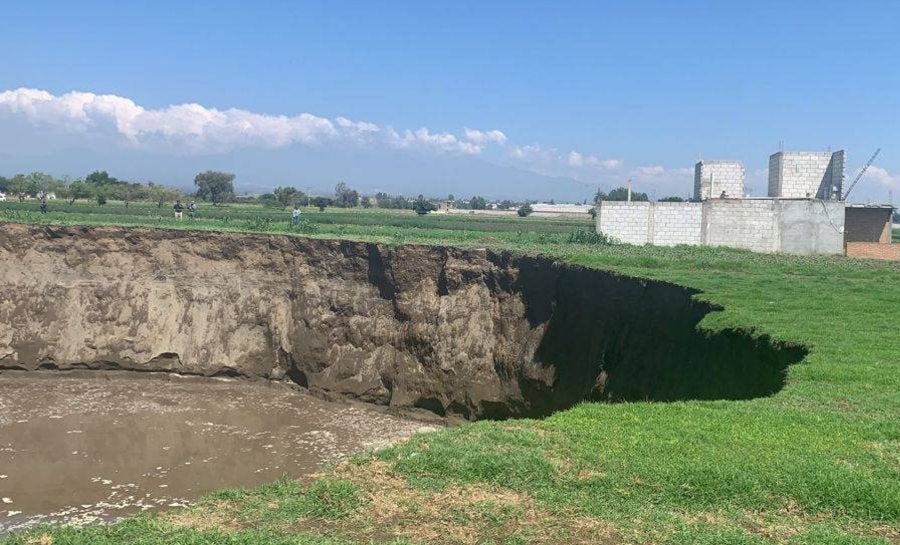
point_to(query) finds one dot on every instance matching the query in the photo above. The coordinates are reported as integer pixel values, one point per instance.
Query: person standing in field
(192, 210)
(178, 208)
(295, 216)
(43, 204)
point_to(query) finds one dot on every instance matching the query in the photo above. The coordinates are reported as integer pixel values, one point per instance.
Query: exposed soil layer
(471, 333)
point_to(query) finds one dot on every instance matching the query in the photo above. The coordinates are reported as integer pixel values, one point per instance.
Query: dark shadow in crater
(617, 338)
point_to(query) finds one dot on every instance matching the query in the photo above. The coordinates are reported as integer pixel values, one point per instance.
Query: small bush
(584, 236)
(259, 223)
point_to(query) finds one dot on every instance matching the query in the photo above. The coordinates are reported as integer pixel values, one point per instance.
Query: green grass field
(817, 463)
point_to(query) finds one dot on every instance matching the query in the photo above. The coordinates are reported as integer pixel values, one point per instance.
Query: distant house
(445, 206)
(561, 210)
(2, 196)
(50, 195)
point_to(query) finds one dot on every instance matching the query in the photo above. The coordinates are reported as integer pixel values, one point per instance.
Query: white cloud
(193, 128)
(882, 177)
(611, 164)
(485, 137)
(650, 171)
(423, 138)
(103, 121)
(552, 162)
(575, 159)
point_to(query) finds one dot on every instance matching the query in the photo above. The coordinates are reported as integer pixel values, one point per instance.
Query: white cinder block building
(804, 213)
(806, 174)
(713, 178)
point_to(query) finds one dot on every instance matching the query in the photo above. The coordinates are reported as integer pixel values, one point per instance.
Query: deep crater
(468, 333)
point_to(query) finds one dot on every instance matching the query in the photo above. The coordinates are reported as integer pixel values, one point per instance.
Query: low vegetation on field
(817, 463)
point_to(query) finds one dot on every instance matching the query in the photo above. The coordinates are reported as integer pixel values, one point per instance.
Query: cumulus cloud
(485, 137)
(882, 177)
(104, 120)
(425, 139)
(193, 128)
(552, 162)
(650, 171)
(611, 164)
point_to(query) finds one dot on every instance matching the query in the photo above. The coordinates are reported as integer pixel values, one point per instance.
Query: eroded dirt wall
(465, 332)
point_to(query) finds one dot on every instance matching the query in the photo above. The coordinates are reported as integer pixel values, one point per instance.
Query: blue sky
(635, 89)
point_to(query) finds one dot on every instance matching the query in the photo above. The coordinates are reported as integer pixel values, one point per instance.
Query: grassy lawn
(817, 463)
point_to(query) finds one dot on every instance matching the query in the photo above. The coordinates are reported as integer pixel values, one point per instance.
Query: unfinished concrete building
(804, 213)
(713, 179)
(806, 175)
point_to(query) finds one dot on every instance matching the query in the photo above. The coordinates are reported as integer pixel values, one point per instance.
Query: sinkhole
(466, 333)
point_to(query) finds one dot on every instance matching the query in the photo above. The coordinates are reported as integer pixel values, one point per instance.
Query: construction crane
(861, 172)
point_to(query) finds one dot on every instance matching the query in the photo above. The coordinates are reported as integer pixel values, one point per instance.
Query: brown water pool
(81, 449)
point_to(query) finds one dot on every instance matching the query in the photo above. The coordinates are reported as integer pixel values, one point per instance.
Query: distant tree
(593, 212)
(3, 184)
(423, 206)
(156, 193)
(671, 199)
(451, 198)
(345, 197)
(478, 203)
(365, 202)
(288, 196)
(506, 204)
(100, 195)
(79, 190)
(621, 194)
(395, 202)
(524, 210)
(271, 200)
(38, 182)
(99, 178)
(322, 202)
(217, 187)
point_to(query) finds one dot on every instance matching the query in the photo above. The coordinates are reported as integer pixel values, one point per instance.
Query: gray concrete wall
(762, 225)
(711, 178)
(810, 227)
(748, 224)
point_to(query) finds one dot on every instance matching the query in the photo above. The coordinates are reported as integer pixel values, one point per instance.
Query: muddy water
(79, 449)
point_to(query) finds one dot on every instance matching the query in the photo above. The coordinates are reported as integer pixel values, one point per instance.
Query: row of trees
(621, 194)
(98, 185)
(215, 187)
(218, 188)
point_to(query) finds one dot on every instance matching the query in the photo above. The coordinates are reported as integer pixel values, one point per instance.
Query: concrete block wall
(711, 178)
(660, 223)
(676, 223)
(799, 226)
(627, 222)
(806, 174)
(740, 223)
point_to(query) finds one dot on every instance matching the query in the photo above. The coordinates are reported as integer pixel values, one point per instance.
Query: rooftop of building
(819, 153)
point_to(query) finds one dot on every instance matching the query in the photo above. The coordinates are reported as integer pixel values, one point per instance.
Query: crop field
(816, 463)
